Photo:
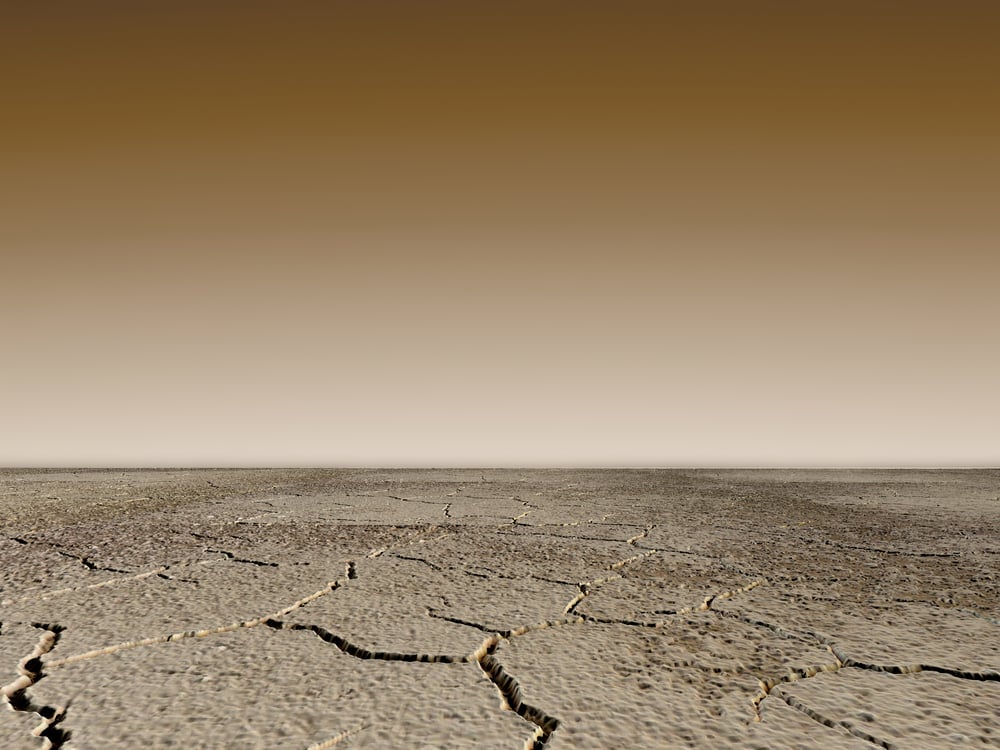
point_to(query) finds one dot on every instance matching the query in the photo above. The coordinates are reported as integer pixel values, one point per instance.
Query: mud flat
(499, 609)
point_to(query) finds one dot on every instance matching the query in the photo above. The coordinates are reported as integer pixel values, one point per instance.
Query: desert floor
(499, 609)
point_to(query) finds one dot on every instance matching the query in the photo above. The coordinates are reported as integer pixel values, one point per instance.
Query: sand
(499, 609)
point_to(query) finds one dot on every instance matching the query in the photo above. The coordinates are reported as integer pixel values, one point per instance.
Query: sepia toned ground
(499, 609)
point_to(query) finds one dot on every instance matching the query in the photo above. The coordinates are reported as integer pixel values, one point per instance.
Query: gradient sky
(507, 233)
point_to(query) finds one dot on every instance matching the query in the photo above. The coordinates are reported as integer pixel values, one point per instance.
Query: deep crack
(359, 652)
(15, 694)
(510, 693)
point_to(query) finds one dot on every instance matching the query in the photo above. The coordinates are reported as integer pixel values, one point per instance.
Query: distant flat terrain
(499, 609)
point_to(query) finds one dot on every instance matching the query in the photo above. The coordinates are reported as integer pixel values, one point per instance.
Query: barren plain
(499, 609)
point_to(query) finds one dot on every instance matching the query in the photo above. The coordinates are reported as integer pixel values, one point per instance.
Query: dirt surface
(499, 609)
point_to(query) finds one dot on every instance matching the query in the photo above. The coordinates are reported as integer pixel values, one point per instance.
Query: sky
(500, 234)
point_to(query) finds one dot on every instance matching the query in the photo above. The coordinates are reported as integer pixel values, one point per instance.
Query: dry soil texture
(499, 609)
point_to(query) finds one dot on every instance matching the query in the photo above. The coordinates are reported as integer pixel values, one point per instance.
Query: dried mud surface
(499, 609)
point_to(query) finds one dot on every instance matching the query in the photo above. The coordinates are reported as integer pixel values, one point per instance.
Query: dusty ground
(499, 609)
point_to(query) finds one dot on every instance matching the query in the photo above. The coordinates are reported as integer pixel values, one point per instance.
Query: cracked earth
(499, 609)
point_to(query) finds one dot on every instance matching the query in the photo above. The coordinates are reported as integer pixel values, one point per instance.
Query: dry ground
(499, 609)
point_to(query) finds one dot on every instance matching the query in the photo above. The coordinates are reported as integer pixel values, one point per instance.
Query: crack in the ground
(510, 692)
(15, 694)
(564, 537)
(231, 627)
(60, 550)
(771, 686)
(640, 535)
(411, 500)
(962, 674)
(379, 551)
(584, 592)
(480, 575)
(507, 577)
(586, 586)
(230, 556)
(881, 550)
(73, 589)
(87, 562)
(801, 707)
(586, 522)
(513, 632)
(509, 688)
(166, 577)
(431, 612)
(359, 652)
(804, 636)
(213, 538)
(704, 606)
(710, 600)
(632, 559)
(793, 675)
(428, 563)
(515, 519)
(486, 657)
(623, 621)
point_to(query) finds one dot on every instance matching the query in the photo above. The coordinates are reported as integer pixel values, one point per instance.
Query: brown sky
(517, 233)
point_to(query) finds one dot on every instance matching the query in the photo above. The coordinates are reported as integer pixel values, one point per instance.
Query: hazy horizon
(519, 234)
